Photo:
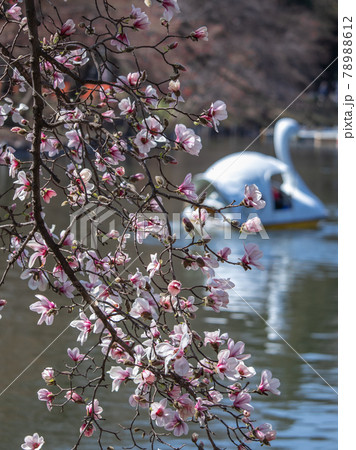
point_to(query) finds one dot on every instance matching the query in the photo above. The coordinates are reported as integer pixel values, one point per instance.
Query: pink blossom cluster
(100, 147)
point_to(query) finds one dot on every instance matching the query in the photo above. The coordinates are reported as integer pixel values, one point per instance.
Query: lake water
(286, 315)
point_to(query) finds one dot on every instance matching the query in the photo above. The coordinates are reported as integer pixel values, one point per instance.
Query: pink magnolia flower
(177, 425)
(48, 376)
(74, 139)
(41, 250)
(74, 397)
(160, 413)
(24, 190)
(264, 433)
(65, 288)
(154, 126)
(187, 139)
(116, 153)
(84, 325)
(141, 308)
(218, 298)
(6, 153)
(226, 365)
(34, 442)
(187, 188)
(200, 34)
(16, 77)
(145, 378)
(109, 115)
(46, 308)
(67, 28)
(80, 185)
(253, 225)
(144, 142)
(58, 80)
(174, 287)
(132, 79)
(136, 400)
(181, 367)
(244, 371)
(78, 57)
(174, 392)
(4, 111)
(45, 395)
(94, 410)
(215, 339)
(269, 384)
(185, 406)
(221, 283)
(168, 303)
(139, 280)
(75, 354)
(251, 256)
(37, 279)
(126, 106)
(3, 303)
(237, 349)
(17, 113)
(119, 375)
(145, 227)
(150, 97)
(200, 409)
(214, 397)
(120, 171)
(174, 88)
(253, 197)
(199, 216)
(48, 144)
(14, 12)
(58, 271)
(224, 253)
(141, 21)
(121, 41)
(87, 429)
(154, 266)
(241, 400)
(217, 112)
(171, 7)
(47, 194)
(188, 304)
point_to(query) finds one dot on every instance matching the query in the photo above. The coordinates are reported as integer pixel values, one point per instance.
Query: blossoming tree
(100, 138)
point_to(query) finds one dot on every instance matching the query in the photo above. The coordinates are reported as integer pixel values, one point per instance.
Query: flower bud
(173, 45)
(120, 171)
(178, 66)
(174, 287)
(259, 435)
(188, 226)
(168, 159)
(48, 376)
(159, 181)
(136, 177)
(2, 302)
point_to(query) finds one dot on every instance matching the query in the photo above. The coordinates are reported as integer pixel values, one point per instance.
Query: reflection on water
(285, 314)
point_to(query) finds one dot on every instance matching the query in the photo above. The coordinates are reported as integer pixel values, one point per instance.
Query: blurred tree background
(262, 54)
(259, 57)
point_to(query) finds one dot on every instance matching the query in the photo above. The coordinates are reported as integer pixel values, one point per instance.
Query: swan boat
(289, 202)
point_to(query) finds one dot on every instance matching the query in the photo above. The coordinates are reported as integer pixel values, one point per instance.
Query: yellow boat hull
(293, 225)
